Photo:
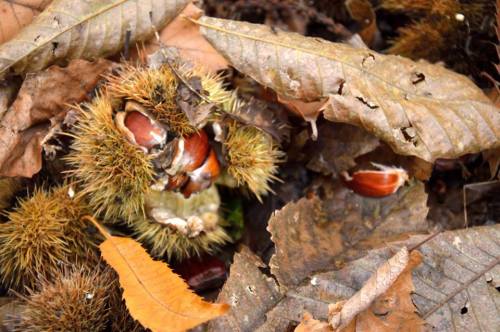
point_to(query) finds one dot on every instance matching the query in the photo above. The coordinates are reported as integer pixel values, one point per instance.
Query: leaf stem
(97, 225)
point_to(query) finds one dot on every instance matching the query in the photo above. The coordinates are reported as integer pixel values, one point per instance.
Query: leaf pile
(328, 258)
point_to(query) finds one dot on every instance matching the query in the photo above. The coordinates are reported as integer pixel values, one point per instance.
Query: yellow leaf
(158, 298)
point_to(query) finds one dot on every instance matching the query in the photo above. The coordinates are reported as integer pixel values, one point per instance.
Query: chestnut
(376, 183)
(139, 127)
(204, 176)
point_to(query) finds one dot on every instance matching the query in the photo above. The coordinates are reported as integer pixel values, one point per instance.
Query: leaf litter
(314, 255)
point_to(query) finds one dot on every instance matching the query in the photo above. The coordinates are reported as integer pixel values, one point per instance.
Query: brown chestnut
(204, 176)
(376, 183)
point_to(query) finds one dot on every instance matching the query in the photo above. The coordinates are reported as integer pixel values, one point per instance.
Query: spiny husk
(165, 241)
(252, 157)
(44, 232)
(114, 174)
(8, 187)
(75, 301)
(156, 89)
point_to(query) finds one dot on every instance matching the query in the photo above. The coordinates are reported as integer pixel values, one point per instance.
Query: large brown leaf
(16, 14)
(417, 108)
(157, 297)
(454, 286)
(70, 29)
(311, 235)
(383, 304)
(249, 292)
(42, 99)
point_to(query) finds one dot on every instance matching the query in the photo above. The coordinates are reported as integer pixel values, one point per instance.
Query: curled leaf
(70, 29)
(418, 108)
(43, 98)
(157, 297)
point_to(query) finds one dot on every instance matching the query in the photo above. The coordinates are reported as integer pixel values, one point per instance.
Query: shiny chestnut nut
(376, 183)
(202, 177)
(139, 127)
(190, 153)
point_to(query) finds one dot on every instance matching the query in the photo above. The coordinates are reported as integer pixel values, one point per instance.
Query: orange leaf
(158, 298)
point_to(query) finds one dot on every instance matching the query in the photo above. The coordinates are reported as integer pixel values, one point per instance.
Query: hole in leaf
(417, 78)
(370, 57)
(54, 47)
(464, 310)
(367, 103)
(497, 288)
(341, 87)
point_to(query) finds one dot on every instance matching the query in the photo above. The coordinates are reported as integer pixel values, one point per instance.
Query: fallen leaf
(309, 324)
(155, 296)
(70, 29)
(383, 304)
(185, 36)
(337, 147)
(249, 292)
(397, 302)
(43, 97)
(459, 274)
(16, 14)
(8, 90)
(311, 234)
(418, 108)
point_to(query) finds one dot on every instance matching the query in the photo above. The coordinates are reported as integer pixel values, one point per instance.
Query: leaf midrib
(325, 55)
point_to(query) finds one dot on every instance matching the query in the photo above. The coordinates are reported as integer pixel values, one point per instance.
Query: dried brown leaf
(157, 297)
(417, 108)
(43, 97)
(384, 302)
(309, 324)
(70, 29)
(396, 298)
(185, 36)
(454, 287)
(249, 292)
(312, 235)
(16, 14)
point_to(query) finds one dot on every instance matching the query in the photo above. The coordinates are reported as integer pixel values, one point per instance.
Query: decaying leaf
(70, 29)
(417, 108)
(157, 297)
(311, 234)
(309, 324)
(43, 98)
(16, 14)
(185, 36)
(383, 304)
(249, 292)
(454, 286)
